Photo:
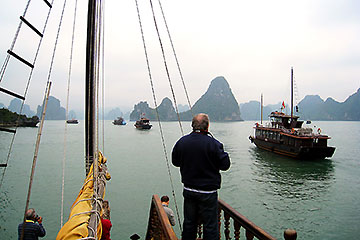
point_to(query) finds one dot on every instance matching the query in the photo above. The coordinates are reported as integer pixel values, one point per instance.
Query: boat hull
(72, 121)
(302, 152)
(117, 123)
(143, 127)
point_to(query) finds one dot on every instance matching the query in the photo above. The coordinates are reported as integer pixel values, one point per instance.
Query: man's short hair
(165, 199)
(200, 122)
(30, 214)
(106, 210)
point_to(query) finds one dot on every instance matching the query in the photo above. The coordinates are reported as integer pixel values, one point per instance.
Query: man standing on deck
(200, 158)
(32, 230)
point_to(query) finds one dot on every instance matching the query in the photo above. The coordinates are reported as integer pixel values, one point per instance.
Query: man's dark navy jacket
(200, 158)
(32, 230)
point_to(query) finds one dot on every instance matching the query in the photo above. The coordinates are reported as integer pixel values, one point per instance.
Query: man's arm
(224, 159)
(41, 230)
(175, 157)
(172, 217)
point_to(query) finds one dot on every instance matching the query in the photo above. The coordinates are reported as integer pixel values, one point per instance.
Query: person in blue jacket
(200, 158)
(32, 230)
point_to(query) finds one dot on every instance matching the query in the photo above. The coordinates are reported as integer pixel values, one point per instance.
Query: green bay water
(320, 199)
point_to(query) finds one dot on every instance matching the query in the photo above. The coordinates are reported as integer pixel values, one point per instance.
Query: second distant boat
(119, 121)
(72, 121)
(143, 124)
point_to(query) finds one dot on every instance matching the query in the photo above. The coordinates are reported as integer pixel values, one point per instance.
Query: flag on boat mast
(282, 105)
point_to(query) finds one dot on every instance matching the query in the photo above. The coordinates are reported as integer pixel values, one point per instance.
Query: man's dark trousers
(203, 207)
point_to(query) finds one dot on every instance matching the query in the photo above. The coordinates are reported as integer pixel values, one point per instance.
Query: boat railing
(305, 131)
(159, 227)
(227, 213)
(268, 124)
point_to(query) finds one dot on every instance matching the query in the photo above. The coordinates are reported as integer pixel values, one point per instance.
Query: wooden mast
(90, 86)
(92, 53)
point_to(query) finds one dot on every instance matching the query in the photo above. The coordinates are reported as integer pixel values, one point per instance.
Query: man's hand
(39, 220)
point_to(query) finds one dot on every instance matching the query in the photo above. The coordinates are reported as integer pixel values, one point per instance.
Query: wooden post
(237, 227)
(290, 234)
(227, 226)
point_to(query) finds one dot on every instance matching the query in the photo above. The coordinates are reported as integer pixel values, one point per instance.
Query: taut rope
(67, 114)
(176, 59)
(47, 93)
(166, 67)
(172, 90)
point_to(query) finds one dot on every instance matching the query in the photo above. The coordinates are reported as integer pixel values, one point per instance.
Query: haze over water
(320, 199)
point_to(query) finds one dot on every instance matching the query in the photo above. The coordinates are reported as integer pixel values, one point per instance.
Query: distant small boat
(119, 121)
(72, 121)
(143, 124)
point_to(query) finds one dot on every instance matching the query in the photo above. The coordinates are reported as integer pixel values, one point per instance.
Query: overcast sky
(253, 44)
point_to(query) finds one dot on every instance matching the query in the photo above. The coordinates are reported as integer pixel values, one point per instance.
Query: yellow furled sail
(77, 225)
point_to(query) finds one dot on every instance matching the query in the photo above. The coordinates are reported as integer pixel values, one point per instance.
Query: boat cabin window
(276, 122)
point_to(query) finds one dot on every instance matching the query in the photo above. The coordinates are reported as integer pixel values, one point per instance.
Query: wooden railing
(159, 227)
(239, 221)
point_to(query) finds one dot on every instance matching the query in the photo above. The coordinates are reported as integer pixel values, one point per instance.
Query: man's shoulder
(193, 136)
(167, 209)
(216, 141)
(185, 138)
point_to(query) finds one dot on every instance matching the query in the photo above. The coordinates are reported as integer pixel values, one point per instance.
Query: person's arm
(41, 230)
(175, 156)
(172, 218)
(224, 159)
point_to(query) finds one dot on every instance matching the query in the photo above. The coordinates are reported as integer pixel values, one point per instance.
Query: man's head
(30, 214)
(200, 122)
(106, 210)
(106, 204)
(165, 199)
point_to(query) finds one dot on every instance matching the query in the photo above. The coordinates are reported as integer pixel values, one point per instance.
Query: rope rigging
(47, 93)
(66, 115)
(166, 67)
(35, 156)
(176, 59)
(103, 76)
(3, 69)
(171, 87)
(157, 113)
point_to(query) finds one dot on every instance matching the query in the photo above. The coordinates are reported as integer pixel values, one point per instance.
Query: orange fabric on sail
(77, 225)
